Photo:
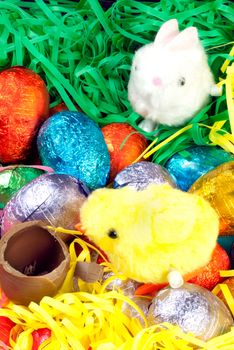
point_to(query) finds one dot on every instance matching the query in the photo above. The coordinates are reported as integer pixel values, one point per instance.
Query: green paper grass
(84, 54)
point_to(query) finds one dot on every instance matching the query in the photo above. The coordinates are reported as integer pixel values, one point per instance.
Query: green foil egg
(12, 179)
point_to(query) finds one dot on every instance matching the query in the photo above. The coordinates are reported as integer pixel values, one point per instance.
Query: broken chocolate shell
(33, 262)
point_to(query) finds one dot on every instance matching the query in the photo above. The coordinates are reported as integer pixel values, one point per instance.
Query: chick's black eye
(181, 81)
(113, 234)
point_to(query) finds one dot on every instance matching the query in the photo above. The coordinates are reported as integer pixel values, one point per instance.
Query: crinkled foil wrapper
(73, 144)
(54, 199)
(197, 161)
(193, 308)
(141, 174)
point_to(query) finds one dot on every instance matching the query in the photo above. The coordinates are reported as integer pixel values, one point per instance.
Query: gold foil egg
(217, 186)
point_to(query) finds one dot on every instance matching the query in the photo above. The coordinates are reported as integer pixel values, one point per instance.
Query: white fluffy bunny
(170, 79)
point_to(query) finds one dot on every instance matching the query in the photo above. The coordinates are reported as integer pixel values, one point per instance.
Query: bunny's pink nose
(157, 81)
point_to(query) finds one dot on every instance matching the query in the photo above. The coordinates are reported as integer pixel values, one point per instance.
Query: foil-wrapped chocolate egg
(54, 199)
(24, 102)
(193, 308)
(187, 166)
(13, 178)
(125, 145)
(73, 144)
(217, 187)
(209, 276)
(141, 174)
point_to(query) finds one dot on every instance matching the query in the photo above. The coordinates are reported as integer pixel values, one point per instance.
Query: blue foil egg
(73, 144)
(187, 166)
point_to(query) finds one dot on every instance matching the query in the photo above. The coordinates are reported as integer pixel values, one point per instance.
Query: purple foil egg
(141, 174)
(55, 199)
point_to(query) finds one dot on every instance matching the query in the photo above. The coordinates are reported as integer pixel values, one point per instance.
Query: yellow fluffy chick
(147, 233)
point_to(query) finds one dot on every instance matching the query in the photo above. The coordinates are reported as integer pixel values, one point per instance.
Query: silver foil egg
(193, 308)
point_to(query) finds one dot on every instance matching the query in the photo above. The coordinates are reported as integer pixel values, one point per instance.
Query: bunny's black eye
(113, 234)
(135, 68)
(181, 81)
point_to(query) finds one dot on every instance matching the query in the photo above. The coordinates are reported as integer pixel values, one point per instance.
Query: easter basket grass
(83, 52)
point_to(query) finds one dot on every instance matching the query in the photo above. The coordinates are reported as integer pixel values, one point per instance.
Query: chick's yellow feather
(156, 230)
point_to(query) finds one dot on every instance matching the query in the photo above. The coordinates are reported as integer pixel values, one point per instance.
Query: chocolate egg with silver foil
(54, 199)
(141, 174)
(73, 144)
(187, 166)
(193, 308)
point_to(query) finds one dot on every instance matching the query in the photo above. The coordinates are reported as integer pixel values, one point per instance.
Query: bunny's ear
(168, 31)
(186, 39)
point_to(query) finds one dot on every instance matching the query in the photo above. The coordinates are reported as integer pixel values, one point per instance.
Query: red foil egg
(209, 276)
(125, 145)
(39, 336)
(24, 105)
(6, 326)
